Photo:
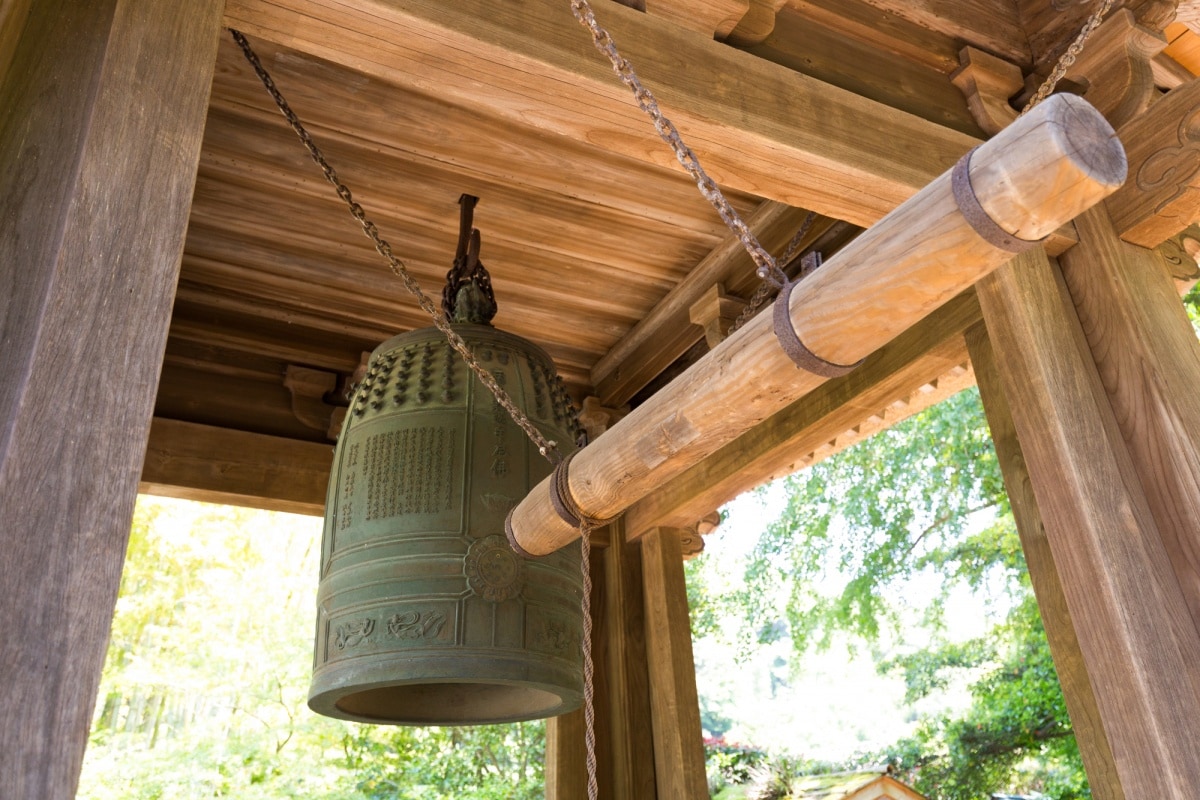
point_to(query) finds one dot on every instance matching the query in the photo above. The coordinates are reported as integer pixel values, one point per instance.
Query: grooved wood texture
(674, 705)
(1135, 632)
(103, 112)
(1069, 662)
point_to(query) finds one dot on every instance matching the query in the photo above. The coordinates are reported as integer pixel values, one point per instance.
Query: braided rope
(589, 668)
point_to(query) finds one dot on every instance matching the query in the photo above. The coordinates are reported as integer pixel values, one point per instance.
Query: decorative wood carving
(1115, 67)
(691, 543)
(988, 82)
(756, 25)
(1180, 254)
(715, 312)
(1162, 194)
(709, 523)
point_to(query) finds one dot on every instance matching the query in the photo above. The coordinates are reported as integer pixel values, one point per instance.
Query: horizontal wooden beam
(759, 127)
(1034, 176)
(775, 447)
(219, 465)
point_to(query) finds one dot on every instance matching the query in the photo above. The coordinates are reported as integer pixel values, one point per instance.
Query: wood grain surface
(100, 138)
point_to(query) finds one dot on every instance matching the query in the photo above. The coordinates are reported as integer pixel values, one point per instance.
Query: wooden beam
(674, 703)
(529, 60)
(219, 465)
(1148, 357)
(873, 290)
(776, 446)
(1135, 633)
(1162, 196)
(985, 24)
(103, 113)
(1069, 662)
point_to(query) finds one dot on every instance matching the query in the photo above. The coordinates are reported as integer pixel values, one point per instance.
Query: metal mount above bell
(425, 614)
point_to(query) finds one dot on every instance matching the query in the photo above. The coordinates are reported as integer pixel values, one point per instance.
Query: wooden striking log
(1037, 174)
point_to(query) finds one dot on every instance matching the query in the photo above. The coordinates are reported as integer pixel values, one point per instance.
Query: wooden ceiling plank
(238, 213)
(773, 449)
(760, 128)
(470, 140)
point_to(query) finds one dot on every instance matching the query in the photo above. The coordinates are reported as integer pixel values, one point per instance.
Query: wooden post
(1047, 586)
(628, 681)
(674, 704)
(1134, 629)
(1035, 175)
(1148, 358)
(104, 106)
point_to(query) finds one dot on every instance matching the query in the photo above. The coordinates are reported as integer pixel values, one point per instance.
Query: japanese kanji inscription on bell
(425, 614)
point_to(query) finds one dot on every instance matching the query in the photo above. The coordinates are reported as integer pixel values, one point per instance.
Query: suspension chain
(768, 269)
(546, 447)
(1068, 58)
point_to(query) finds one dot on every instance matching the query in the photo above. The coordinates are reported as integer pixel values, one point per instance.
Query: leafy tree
(924, 498)
(203, 692)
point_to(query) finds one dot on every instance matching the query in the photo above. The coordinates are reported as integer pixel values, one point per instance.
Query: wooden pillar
(1047, 586)
(1136, 638)
(1148, 358)
(624, 745)
(104, 105)
(626, 671)
(674, 704)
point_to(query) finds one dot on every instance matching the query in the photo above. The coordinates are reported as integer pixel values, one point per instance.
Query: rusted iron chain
(1068, 58)
(546, 447)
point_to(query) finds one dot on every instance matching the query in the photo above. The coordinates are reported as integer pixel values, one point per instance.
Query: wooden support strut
(1040, 172)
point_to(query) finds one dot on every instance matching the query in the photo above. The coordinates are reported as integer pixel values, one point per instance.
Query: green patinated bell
(425, 614)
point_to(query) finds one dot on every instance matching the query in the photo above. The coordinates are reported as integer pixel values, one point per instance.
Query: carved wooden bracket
(988, 82)
(1115, 67)
(757, 25)
(595, 418)
(709, 523)
(1180, 254)
(715, 312)
(1162, 194)
(309, 388)
(691, 543)
(713, 18)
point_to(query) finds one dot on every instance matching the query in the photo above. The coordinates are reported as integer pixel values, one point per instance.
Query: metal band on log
(1036, 175)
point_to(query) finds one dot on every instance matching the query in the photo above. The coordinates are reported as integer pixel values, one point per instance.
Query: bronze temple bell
(425, 614)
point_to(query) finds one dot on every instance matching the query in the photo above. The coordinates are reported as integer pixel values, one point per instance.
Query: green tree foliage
(923, 500)
(203, 692)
